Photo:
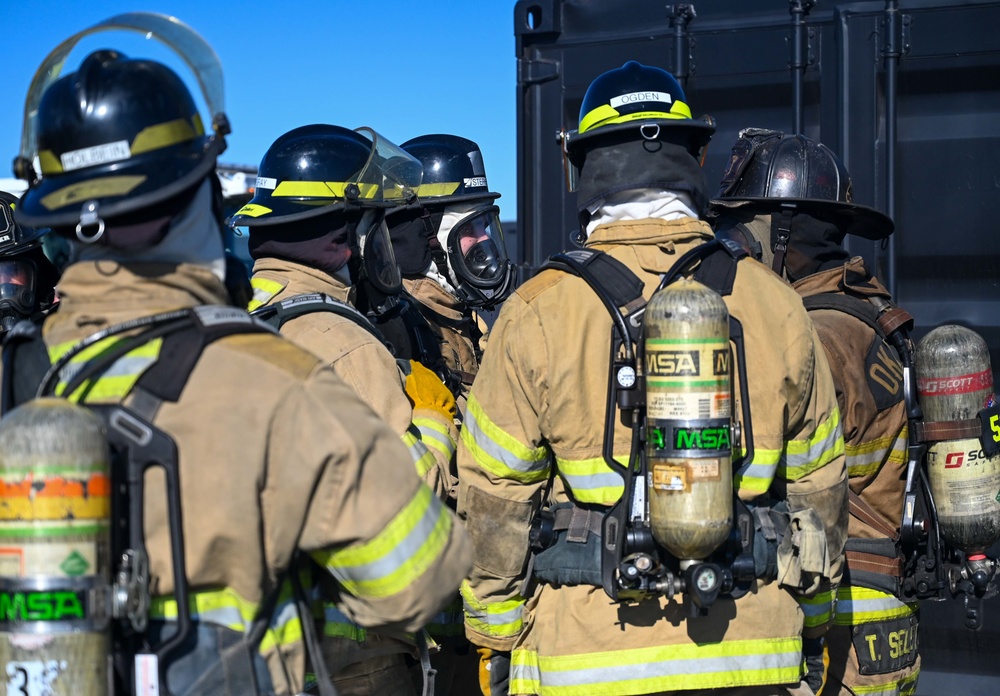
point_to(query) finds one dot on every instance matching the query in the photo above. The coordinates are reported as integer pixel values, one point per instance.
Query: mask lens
(478, 246)
(380, 262)
(17, 281)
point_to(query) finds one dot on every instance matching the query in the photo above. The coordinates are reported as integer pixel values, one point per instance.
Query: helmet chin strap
(781, 230)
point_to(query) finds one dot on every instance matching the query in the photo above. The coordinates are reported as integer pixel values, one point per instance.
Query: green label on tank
(74, 565)
(59, 605)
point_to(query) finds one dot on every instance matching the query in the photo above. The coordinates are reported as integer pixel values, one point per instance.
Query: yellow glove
(426, 390)
(484, 670)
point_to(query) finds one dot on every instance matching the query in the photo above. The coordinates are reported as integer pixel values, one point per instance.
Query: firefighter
(277, 455)
(788, 198)
(317, 233)
(454, 265)
(532, 431)
(27, 277)
(451, 249)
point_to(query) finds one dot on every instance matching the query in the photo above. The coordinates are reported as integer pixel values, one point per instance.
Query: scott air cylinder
(688, 415)
(54, 523)
(954, 382)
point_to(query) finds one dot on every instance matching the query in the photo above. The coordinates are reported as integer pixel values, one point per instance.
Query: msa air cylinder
(688, 419)
(54, 546)
(955, 382)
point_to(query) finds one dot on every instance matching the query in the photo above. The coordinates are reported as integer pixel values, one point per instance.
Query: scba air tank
(54, 546)
(688, 414)
(955, 382)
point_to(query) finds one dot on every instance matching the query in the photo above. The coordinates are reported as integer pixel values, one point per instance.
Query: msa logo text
(673, 363)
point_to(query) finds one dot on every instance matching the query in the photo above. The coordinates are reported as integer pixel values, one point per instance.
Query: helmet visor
(395, 173)
(476, 247)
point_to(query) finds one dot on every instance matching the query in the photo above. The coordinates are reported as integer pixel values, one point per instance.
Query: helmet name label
(634, 97)
(266, 182)
(476, 181)
(98, 154)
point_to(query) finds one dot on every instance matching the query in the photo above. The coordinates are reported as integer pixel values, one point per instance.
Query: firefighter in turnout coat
(533, 432)
(784, 190)
(278, 458)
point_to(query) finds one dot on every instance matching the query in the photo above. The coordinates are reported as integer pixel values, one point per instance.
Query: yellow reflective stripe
(444, 188)
(805, 456)
(411, 543)
(263, 291)
(868, 457)
(592, 480)
(320, 189)
(659, 668)
(758, 474)
(498, 619)
(605, 114)
(907, 686)
(500, 453)
(337, 625)
(285, 627)
(92, 188)
(422, 457)
(49, 162)
(253, 210)
(435, 434)
(162, 135)
(150, 138)
(224, 607)
(114, 383)
(858, 605)
(818, 609)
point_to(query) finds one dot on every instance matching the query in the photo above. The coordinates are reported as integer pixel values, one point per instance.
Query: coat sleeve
(396, 552)
(503, 469)
(374, 375)
(814, 473)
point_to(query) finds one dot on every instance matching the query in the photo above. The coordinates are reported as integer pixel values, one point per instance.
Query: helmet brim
(119, 187)
(281, 212)
(850, 218)
(699, 130)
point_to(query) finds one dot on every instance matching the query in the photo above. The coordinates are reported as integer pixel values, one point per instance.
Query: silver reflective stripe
(285, 613)
(126, 366)
(815, 451)
(578, 482)
(224, 616)
(878, 456)
(496, 619)
(758, 470)
(622, 674)
(526, 466)
(868, 606)
(400, 554)
(447, 444)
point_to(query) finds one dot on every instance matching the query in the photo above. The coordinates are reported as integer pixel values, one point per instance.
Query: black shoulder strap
(185, 335)
(277, 314)
(618, 287)
(718, 265)
(855, 306)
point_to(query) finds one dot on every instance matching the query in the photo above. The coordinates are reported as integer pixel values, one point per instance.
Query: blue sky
(404, 68)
